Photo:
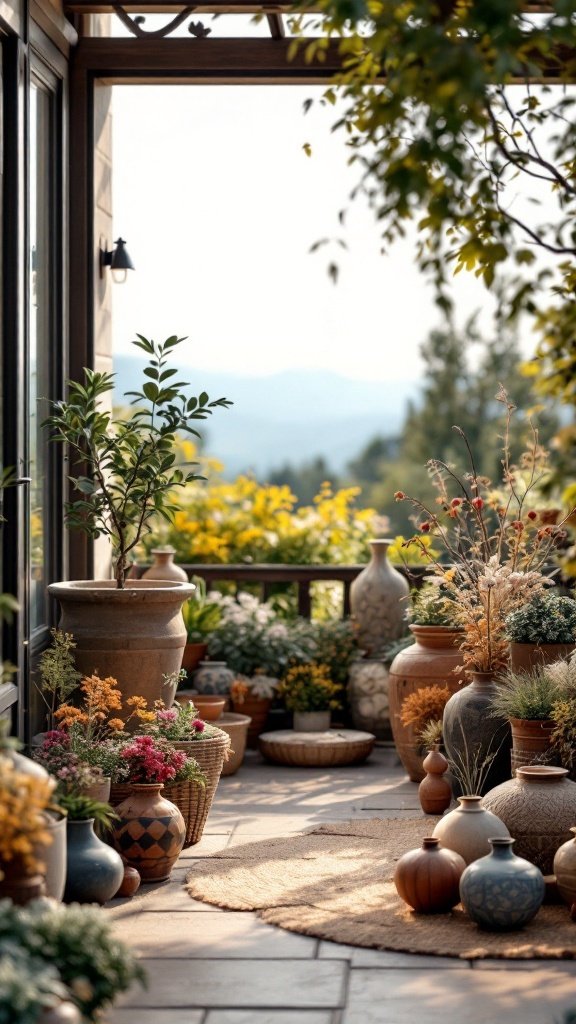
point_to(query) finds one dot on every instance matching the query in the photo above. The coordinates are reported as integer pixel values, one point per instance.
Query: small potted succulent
(310, 693)
(542, 631)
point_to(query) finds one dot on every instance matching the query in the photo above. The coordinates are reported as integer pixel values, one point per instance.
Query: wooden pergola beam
(140, 61)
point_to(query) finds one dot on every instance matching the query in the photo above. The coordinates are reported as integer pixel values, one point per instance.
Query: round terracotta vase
(135, 635)
(539, 809)
(524, 657)
(19, 887)
(430, 661)
(428, 879)
(472, 735)
(530, 740)
(150, 832)
(468, 829)
(378, 601)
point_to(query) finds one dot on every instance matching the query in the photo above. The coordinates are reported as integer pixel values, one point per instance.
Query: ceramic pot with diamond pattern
(150, 832)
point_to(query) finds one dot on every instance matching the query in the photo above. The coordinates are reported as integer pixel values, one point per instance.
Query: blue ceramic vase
(213, 677)
(502, 892)
(95, 871)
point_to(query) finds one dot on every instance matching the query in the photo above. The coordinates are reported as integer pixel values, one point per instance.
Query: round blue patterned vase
(502, 892)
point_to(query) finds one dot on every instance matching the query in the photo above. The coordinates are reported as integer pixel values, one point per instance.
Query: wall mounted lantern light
(117, 259)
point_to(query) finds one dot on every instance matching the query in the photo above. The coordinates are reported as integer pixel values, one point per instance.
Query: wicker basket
(194, 801)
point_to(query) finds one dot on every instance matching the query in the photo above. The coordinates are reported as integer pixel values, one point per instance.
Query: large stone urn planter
(136, 635)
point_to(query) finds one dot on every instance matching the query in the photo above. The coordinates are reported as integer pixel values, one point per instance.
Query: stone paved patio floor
(210, 966)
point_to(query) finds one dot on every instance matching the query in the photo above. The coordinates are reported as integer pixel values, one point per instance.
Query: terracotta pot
(312, 721)
(468, 829)
(135, 635)
(539, 809)
(193, 655)
(435, 791)
(95, 870)
(236, 726)
(150, 832)
(257, 709)
(99, 790)
(163, 568)
(502, 892)
(472, 735)
(378, 599)
(430, 660)
(524, 657)
(530, 739)
(17, 886)
(209, 706)
(427, 879)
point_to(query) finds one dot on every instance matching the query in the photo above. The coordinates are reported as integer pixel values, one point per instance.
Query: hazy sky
(220, 205)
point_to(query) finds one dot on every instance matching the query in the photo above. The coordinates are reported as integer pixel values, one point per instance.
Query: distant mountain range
(293, 416)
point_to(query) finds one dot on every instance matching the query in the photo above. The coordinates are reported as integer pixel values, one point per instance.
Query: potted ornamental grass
(527, 699)
(311, 694)
(542, 631)
(124, 473)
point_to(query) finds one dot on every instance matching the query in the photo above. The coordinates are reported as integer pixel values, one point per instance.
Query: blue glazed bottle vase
(502, 892)
(95, 871)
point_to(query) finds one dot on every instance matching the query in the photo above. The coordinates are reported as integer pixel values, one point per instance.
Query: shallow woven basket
(193, 801)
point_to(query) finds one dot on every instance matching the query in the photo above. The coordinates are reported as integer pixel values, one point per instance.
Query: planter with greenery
(312, 695)
(527, 700)
(50, 953)
(125, 472)
(542, 631)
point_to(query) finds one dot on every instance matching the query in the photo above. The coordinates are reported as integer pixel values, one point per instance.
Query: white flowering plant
(495, 543)
(251, 639)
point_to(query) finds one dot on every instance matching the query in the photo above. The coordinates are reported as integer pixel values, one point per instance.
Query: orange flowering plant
(495, 543)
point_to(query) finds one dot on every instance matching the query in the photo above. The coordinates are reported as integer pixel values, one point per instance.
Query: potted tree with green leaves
(124, 472)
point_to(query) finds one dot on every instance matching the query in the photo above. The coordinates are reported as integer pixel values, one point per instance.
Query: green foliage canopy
(435, 125)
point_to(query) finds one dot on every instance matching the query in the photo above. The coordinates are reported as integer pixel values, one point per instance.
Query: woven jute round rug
(335, 882)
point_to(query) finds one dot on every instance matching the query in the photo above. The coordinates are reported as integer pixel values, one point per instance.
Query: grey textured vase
(539, 808)
(471, 734)
(378, 600)
(502, 892)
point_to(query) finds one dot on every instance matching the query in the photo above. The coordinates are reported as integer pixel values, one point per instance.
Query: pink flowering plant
(495, 543)
(151, 759)
(181, 722)
(66, 766)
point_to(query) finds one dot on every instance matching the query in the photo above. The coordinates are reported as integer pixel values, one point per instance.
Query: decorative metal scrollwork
(134, 25)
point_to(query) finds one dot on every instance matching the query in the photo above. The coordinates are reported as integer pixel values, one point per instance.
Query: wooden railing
(301, 576)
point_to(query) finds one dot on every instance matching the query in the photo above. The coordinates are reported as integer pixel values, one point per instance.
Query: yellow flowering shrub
(23, 801)
(222, 521)
(310, 688)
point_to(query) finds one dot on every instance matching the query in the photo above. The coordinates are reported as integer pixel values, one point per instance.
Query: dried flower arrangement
(424, 707)
(494, 541)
